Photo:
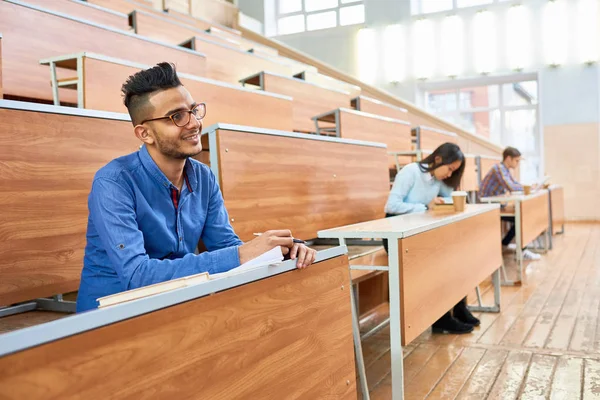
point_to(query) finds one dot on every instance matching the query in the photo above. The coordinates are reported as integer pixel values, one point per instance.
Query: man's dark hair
(510, 152)
(138, 87)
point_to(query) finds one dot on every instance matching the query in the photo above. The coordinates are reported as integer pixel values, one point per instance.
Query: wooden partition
(328, 82)
(244, 44)
(557, 200)
(1, 90)
(328, 183)
(85, 11)
(309, 99)
(48, 158)
(430, 138)
(534, 217)
(231, 65)
(470, 178)
(56, 34)
(285, 336)
(102, 78)
(429, 290)
(224, 12)
(352, 124)
(485, 165)
(374, 106)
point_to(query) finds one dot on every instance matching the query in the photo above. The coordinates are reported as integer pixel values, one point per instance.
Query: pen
(295, 240)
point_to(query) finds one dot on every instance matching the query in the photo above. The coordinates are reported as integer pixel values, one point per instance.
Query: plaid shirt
(498, 181)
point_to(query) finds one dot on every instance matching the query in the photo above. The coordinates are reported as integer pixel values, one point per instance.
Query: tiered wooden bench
(57, 34)
(308, 99)
(329, 82)
(430, 138)
(85, 11)
(48, 166)
(98, 81)
(351, 124)
(374, 106)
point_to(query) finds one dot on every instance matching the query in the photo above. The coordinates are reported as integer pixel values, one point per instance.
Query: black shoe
(462, 313)
(449, 324)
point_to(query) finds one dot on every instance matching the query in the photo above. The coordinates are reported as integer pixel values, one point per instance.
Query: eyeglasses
(182, 118)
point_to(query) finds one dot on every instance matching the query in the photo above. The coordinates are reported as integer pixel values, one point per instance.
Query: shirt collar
(150, 166)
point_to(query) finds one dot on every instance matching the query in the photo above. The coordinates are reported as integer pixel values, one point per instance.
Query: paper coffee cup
(459, 199)
(526, 190)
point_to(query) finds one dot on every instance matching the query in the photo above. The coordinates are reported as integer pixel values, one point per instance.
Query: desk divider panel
(534, 217)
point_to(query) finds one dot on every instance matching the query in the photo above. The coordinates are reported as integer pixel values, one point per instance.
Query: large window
(505, 113)
(294, 16)
(419, 7)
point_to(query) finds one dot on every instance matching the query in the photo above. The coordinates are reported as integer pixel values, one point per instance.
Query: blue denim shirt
(141, 230)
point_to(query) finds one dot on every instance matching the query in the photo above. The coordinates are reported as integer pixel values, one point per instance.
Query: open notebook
(271, 257)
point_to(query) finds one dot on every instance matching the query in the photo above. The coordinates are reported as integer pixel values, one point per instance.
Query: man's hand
(264, 243)
(434, 202)
(305, 255)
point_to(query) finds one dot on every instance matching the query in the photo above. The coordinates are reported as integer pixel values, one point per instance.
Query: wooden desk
(269, 333)
(98, 79)
(309, 99)
(557, 209)
(374, 106)
(532, 218)
(268, 183)
(432, 264)
(427, 138)
(351, 124)
(56, 34)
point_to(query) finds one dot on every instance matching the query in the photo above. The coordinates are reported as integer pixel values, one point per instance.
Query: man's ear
(141, 132)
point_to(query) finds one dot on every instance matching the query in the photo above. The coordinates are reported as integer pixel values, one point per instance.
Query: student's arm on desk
(113, 214)
(511, 184)
(403, 183)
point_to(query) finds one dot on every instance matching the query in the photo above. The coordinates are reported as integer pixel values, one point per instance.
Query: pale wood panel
(224, 104)
(24, 76)
(226, 64)
(268, 184)
(395, 135)
(1, 88)
(286, 336)
(309, 100)
(25, 320)
(453, 381)
(332, 83)
(431, 139)
(591, 382)
(434, 370)
(476, 148)
(233, 36)
(567, 379)
(486, 165)
(539, 377)
(534, 218)
(481, 380)
(380, 108)
(557, 198)
(509, 381)
(47, 166)
(219, 11)
(469, 179)
(84, 11)
(434, 273)
(181, 6)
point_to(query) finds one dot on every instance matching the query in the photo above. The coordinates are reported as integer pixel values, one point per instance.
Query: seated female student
(417, 188)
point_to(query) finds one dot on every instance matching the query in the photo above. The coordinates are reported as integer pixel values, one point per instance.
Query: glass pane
(316, 5)
(441, 101)
(321, 20)
(520, 93)
(478, 97)
(415, 7)
(520, 132)
(431, 6)
(350, 1)
(471, 3)
(483, 123)
(289, 6)
(352, 15)
(293, 24)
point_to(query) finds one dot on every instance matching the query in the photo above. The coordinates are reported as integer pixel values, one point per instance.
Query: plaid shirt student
(498, 181)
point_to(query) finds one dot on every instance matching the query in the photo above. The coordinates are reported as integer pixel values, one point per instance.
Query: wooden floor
(545, 344)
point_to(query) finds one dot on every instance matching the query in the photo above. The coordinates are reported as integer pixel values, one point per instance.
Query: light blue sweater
(413, 189)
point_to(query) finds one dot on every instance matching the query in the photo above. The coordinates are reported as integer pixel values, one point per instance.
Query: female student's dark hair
(449, 153)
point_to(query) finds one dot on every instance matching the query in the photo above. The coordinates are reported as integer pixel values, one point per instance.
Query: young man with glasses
(148, 210)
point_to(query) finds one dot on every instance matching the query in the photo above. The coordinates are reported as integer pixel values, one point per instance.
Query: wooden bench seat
(102, 77)
(430, 138)
(48, 174)
(351, 124)
(374, 106)
(309, 99)
(57, 34)
(329, 82)
(85, 11)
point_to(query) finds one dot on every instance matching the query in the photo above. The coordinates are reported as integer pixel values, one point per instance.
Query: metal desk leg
(496, 307)
(519, 234)
(360, 363)
(395, 326)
